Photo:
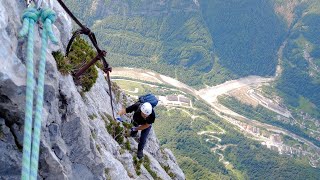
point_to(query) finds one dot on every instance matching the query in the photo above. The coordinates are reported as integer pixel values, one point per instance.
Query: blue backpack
(149, 98)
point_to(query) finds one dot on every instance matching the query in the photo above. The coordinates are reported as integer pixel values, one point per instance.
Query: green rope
(48, 16)
(30, 16)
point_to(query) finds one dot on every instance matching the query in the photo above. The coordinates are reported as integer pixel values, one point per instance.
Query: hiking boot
(140, 154)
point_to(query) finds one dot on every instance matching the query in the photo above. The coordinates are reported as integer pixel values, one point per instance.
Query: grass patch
(127, 145)
(104, 118)
(94, 136)
(146, 164)
(1, 132)
(98, 148)
(92, 116)
(308, 107)
(110, 118)
(167, 169)
(116, 131)
(137, 165)
(106, 173)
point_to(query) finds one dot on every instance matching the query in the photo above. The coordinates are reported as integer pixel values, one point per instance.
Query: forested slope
(299, 83)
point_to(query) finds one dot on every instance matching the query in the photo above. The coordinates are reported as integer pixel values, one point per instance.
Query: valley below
(268, 135)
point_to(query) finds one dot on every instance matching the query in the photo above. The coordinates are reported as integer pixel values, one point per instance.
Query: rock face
(75, 143)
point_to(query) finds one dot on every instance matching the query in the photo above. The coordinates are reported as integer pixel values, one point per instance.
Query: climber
(143, 118)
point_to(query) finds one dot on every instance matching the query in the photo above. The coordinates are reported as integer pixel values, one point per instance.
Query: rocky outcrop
(75, 143)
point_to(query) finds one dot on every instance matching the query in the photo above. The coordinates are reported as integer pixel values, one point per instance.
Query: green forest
(261, 163)
(300, 78)
(247, 34)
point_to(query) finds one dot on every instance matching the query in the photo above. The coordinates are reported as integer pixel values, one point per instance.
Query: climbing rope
(47, 17)
(30, 16)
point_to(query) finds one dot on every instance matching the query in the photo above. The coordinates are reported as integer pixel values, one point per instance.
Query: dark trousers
(143, 137)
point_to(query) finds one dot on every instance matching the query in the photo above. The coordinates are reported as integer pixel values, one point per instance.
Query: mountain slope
(300, 80)
(246, 34)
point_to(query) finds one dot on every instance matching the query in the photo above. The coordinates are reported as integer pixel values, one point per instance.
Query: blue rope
(48, 16)
(30, 16)
(31, 157)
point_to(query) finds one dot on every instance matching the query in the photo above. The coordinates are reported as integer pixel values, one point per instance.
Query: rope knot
(48, 17)
(31, 13)
(48, 13)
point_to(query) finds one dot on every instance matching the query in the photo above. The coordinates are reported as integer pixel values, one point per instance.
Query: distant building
(275, 138)
(172, 98)
(175, 100)
(184, 99)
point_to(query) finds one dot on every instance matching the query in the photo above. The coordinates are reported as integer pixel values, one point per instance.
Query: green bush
(167, 169)
(137, 165)
(116, 131)
(92, 116)
(127, 125)
(80, 54)
(127, 145)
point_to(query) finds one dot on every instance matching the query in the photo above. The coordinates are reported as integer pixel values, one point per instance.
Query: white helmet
(146, 108)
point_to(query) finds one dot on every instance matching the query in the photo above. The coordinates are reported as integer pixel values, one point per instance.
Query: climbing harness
(100, 53)
(31, 156)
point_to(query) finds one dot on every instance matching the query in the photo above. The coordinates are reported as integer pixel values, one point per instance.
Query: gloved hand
(133, 131)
